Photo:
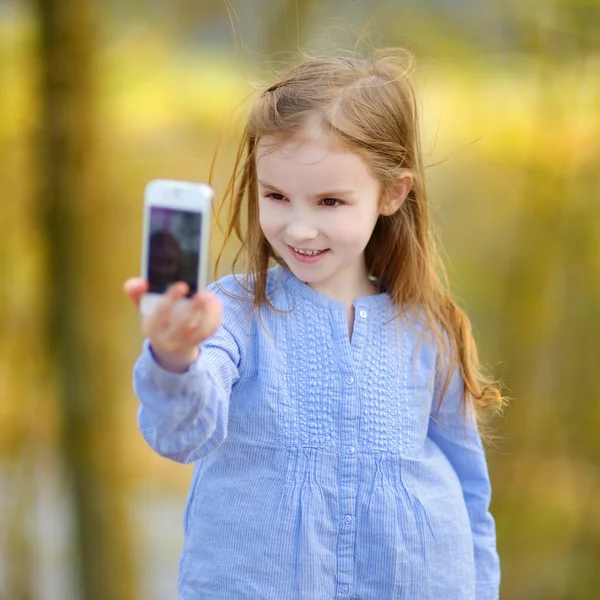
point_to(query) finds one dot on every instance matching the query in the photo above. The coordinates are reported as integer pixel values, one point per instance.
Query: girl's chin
(311, 278)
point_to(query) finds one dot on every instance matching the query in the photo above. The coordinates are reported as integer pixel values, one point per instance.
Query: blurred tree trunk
(73, 216)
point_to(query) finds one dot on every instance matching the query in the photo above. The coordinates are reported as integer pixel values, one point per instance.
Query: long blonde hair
(369, 105)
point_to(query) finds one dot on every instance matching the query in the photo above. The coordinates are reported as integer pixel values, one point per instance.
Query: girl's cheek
(349, 229)
(264, 218)
(269, 227)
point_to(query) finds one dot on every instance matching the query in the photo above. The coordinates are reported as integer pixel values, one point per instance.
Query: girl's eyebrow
(330, 194)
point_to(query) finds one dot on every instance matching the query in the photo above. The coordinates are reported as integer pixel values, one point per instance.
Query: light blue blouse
(320, 472)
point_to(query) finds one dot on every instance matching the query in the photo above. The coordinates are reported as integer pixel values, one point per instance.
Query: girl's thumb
(135, 288)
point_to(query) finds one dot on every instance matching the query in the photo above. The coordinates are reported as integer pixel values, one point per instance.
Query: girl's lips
(304, 258)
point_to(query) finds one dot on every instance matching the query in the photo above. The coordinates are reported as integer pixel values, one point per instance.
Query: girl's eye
(275, 196)
(331, 202)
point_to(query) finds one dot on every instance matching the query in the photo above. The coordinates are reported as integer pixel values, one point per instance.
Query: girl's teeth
(307, 252)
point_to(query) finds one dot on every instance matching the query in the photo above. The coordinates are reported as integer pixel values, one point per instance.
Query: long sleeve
(457, 436)
(184, 416)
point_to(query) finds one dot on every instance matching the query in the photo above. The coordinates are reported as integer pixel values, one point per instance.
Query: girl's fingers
(200, 319)
(211, 315)
(177, 327)
(162, 316)
(183, 320)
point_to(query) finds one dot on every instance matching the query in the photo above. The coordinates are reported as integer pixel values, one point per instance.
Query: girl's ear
(396, 195)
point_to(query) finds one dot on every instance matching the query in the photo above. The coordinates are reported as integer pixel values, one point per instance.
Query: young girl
(328, 401)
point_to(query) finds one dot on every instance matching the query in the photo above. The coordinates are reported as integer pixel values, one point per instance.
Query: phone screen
(173, 248)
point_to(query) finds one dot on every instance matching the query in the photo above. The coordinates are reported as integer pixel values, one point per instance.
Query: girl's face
(317, 196)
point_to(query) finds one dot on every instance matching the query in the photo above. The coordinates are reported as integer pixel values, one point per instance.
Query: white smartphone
(177, 216)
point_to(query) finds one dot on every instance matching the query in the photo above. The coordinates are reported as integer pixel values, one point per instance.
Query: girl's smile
(307, 256)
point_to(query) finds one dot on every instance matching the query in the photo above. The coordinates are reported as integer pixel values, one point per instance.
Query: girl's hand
(175, 331)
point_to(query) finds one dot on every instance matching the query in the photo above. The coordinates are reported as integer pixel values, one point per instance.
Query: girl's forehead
(319, 162)
(288, 144)
(303, 149)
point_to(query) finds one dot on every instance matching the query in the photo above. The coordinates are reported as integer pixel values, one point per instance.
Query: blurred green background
(98, 97)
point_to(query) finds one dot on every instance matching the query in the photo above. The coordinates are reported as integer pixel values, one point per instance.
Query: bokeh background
(99, 96)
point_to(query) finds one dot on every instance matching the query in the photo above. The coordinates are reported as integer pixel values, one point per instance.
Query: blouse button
(348, 519)
(363, 314)
(344, 589)
(350, 380)
(351, 450)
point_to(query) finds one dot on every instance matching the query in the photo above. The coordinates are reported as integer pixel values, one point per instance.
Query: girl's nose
(298, 232)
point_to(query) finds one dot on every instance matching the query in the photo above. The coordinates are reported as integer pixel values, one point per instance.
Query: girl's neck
(347, 287)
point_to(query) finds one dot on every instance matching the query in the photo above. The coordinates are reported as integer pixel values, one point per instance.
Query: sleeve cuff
(171, 384)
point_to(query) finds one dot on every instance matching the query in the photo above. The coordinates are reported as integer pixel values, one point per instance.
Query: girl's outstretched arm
(457, 436)
(184, 416)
